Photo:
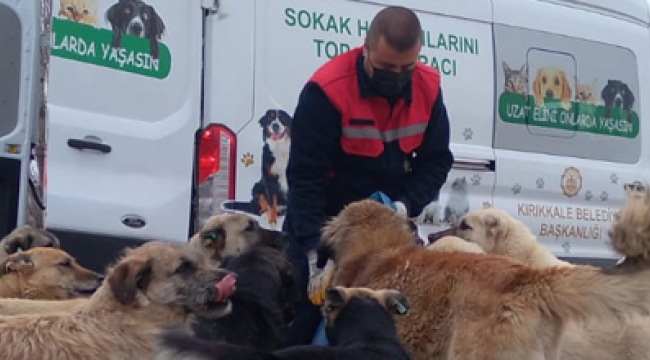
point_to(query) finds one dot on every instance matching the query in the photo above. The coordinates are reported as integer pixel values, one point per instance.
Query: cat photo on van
(80, 11)
(458, 202)
(515, 81)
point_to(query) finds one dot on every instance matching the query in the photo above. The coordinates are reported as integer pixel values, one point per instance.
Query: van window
(9, 69)
(565, 96)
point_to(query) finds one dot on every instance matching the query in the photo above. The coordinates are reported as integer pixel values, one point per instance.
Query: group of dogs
(485, 289)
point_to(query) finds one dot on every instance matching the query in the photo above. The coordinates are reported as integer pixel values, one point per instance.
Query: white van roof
(634, 9)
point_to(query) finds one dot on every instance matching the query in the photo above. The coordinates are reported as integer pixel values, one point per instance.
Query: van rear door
(19, 81)
(124, 106)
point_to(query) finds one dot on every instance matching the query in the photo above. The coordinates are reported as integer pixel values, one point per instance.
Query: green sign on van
(85, 43)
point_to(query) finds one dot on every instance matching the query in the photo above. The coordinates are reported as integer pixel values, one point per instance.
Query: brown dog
(552, 83)
(45, 273)
(474, 306)
(152, 286)
(27, 237)
(229, 234)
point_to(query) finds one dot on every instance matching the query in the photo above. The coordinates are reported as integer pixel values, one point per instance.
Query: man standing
(371, 119)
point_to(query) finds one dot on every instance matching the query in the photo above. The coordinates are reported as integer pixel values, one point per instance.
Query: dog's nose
(549, 93)
(136, 29)
(275, 127)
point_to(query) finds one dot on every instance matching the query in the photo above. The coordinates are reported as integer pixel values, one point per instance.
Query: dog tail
(584, 293)
(177, 343)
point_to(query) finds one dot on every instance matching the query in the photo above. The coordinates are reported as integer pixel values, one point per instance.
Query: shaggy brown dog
(229, 234)
(27, 237)
(45, 273)
(475, 306)
(225, 234)
(152, 286)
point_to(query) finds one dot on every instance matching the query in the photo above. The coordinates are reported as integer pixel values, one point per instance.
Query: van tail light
(215, 170)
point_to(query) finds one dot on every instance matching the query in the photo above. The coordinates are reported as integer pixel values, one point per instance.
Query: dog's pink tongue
(225, 287)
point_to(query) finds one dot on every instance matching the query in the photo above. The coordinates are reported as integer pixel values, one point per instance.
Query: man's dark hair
(399, 26)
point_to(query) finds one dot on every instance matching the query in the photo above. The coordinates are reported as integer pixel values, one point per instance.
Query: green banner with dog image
(583, 117)
(81, 42)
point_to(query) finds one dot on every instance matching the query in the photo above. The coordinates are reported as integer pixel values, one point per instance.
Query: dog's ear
(506, 68)
(271, 238)
(566, 87)
(213, 241)
(629, 96)
(155, 25)
(396, 302)
(335, 297)
(324, 252)
(537, 85)
(20, 262)
(128, 277)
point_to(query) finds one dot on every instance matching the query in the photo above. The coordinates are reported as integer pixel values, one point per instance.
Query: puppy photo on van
(586, 93)
(551, 83)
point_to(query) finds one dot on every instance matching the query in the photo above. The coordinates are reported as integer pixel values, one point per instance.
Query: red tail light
(216, 153)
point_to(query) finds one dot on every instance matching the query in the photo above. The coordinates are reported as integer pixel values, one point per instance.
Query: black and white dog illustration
(270, 192)
(136, 18)
(616, 94)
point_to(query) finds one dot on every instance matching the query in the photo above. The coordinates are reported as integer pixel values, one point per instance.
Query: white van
(163, 112)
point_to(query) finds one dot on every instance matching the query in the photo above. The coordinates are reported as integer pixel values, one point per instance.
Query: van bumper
(94, 251)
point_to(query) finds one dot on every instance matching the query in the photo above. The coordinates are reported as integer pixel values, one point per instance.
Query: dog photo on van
(617, 95)
(551, 83)
(269, 194)
(586, 92)
(80, 11)
(135, 18)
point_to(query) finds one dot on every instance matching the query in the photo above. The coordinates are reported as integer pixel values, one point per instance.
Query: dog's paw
(247, 159)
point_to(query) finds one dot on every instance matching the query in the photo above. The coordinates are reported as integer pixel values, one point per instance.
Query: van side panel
(567, 145)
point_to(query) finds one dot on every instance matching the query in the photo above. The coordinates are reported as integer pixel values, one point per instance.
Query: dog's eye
(86, 11)
(145, 15)
(544, 80)
(65, 263)
(557, 82)
(464, 226)
(127, 10)
(185, 267)
(70, 9)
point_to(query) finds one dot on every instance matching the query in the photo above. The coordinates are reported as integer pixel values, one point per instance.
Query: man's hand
(319, 279)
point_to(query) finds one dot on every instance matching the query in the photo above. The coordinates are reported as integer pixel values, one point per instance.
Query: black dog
(269, 194)
(134, 17)
(616, 94)
(262, 304)
(359, 327)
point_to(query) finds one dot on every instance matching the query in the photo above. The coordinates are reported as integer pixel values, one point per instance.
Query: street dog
(262, 304)
(478, 306)
(26, 237)
(454, 243)
(45, 273)
(497, 232)
(229, 234)
(359, 326)
(151, 286)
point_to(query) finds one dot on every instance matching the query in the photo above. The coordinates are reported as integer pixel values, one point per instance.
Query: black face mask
(389, 83)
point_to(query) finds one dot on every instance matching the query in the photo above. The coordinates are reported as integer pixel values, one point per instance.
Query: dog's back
(262, 303)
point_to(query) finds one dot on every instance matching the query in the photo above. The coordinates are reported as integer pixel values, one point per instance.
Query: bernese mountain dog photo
(269, 194)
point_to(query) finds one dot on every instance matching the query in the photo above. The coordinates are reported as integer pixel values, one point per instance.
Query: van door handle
(474, 164)
(81, 144)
